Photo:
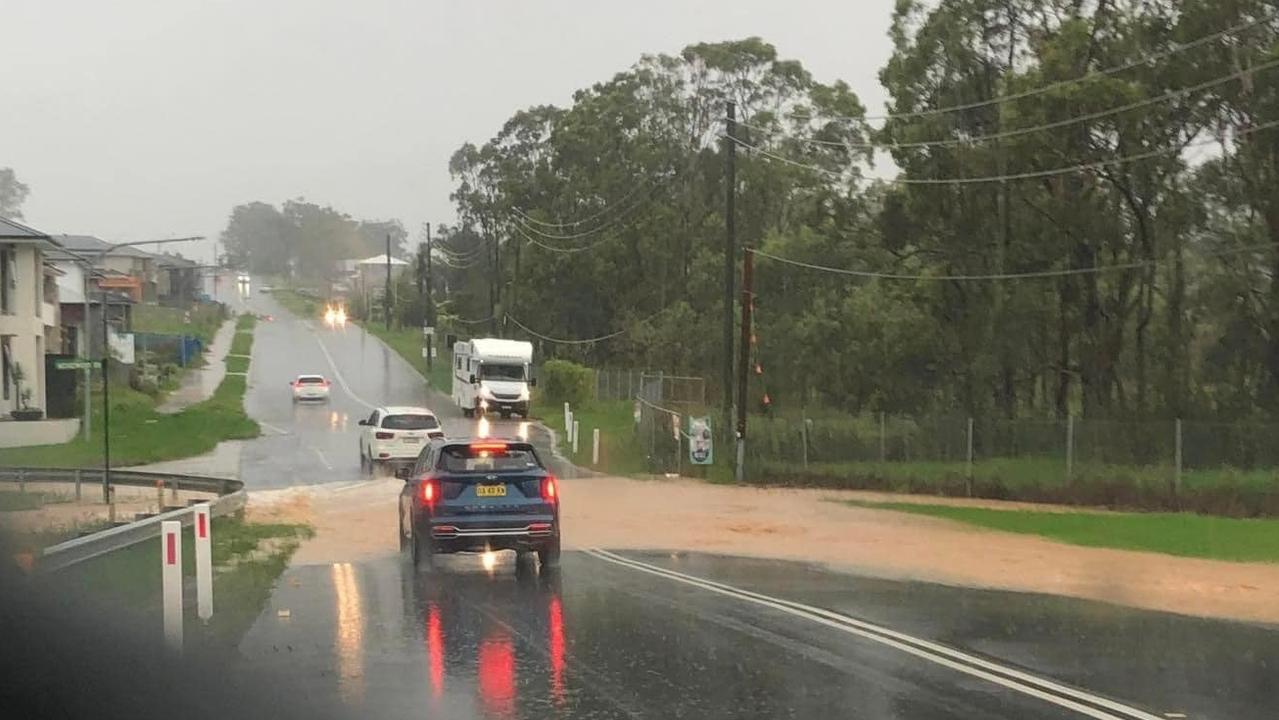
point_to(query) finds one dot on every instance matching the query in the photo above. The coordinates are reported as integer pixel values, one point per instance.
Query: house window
(8, 279)
(6, 364)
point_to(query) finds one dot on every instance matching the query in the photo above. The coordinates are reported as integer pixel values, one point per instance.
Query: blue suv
(479, 495)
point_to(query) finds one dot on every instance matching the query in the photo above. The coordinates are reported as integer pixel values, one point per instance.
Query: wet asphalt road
(621, 636)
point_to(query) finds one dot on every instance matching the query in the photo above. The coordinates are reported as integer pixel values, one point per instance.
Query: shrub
(564, 381)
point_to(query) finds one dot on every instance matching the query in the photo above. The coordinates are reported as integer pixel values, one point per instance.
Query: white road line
(322, 458)
(351, 486)
(1010, 678)
(338, 374)
(269, 426)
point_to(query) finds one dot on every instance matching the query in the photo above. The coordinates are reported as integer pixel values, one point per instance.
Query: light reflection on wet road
(377, 639)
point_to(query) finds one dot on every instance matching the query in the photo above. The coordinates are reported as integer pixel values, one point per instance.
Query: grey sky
(133, 119)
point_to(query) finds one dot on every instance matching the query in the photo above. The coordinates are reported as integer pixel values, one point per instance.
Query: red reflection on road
(556, 630)
(497, 674)
(435, 649)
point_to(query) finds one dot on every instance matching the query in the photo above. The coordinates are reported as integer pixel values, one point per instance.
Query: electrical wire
(581, 248)
(586, 341)
(1160, 55)
(1036, 275)
(1029, 175)
(1018, 132)
(587, 233)
(466, 321)
(600, 213)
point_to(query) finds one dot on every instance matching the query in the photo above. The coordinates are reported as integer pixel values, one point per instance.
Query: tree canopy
(1118, 153)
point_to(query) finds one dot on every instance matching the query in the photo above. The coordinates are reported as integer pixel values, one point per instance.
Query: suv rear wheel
(422, 551)
(549, 554)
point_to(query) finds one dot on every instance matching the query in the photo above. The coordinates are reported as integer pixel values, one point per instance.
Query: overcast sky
(136, 119)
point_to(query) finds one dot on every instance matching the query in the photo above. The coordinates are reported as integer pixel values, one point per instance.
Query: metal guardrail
(230, 498)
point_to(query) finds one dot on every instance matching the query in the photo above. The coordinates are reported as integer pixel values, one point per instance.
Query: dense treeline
(609, 215)
(303, 240)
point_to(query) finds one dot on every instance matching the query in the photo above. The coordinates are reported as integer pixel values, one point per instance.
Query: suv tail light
(550, 492)
(429, 490)
(384, 435)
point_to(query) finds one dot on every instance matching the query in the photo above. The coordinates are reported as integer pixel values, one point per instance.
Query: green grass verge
(1222, 491)
(620, 454)
(242, 581)
(408, 343)
(299, 305)
(1184, 534)
(205, 320)
(237, 364)
(140, 435)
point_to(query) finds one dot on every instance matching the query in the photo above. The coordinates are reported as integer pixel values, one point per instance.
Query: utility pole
(744, 361)
(106, 405)
(386, 301)
(730, 251)
(430, 301)
(86, 349)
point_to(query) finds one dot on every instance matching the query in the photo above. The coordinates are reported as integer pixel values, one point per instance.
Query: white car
(396, 434)
(310, 387)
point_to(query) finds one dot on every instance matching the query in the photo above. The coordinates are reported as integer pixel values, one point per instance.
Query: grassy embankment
(620, 453)
(247, 557)
(206, 318)
(140, 435)
(1185, 534)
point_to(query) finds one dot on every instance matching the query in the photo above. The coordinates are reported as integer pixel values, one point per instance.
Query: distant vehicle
(492, 374)
(335, 315)
(310, 387)
(477, 496)
(265, 289)
(396, 435)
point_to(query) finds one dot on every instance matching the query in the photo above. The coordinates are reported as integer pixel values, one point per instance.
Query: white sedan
(310, 387)
(396, 434)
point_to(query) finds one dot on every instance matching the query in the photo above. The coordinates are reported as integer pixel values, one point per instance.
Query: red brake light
(549, 491)
(429, 491)
(326, 383)
(488, 446)
(384, 435)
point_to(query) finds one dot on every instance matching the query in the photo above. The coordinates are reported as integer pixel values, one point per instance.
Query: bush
(564, 381)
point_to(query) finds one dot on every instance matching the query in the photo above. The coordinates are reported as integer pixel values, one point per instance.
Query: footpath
(199, 383)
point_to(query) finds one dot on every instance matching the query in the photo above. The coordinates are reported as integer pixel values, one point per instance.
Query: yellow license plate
(490, 490)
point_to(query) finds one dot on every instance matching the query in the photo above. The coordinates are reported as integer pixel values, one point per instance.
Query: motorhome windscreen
(498, 371)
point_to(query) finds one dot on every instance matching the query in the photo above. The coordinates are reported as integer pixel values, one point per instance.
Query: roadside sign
(428, 330)
(701, 448)
(76, 364)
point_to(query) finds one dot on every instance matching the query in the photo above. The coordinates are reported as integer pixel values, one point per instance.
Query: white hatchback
(310, 387)
(396, 434)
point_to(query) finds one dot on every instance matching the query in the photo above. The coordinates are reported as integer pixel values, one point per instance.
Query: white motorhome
(492, 374)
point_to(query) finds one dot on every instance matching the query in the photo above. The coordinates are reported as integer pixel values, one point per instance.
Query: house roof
(380, 260)
(94, 245)
(174, 261)
(12, 231)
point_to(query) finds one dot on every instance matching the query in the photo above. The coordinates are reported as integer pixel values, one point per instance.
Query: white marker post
(203, 562)
(595, 447)
(568, 418)
(171, 581)
(575, 433)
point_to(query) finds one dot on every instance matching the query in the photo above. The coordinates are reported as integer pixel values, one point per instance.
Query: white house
(26, 313)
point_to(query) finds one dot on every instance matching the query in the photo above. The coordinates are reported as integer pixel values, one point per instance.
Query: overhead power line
(1029, 175)
(1094, 75)
(613, 222)
(569, 250)
(1034, 275)
(574, 223)
(1018, 132)
(584, 341)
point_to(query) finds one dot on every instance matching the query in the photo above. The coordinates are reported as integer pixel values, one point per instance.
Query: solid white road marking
(1010, 678)
(338, 374)
(271, 427)
(322, 458)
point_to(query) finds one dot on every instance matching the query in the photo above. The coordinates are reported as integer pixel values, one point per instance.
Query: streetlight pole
(430, 303)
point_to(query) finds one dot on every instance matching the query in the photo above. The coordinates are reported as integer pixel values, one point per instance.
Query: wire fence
(653, 385)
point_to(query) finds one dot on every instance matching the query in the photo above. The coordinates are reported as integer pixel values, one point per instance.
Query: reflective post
(203, 562)
(575, 434)
(595, 447)
(171, 581)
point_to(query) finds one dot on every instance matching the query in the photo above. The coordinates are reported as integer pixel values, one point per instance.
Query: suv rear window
(465, 458)
(310, 380)
(410, 422)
